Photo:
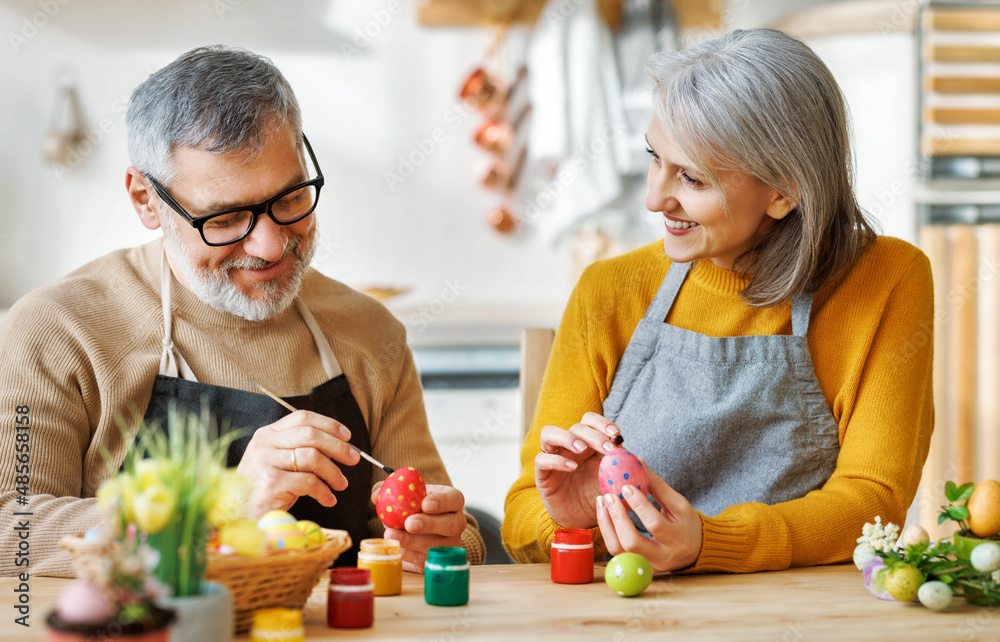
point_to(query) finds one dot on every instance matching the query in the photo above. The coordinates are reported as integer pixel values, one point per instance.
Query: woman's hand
(292, 457)
(566, 469)
(675, 528)
(441, 522)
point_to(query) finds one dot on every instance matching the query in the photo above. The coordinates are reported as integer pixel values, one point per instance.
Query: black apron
(248, 411)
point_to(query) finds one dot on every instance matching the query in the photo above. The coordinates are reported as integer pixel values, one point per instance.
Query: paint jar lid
(350, 576)
(447, 556)
(277, 620)
(378, 546)
(573, 537)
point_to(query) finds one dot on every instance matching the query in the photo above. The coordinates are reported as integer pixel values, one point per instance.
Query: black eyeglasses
(232, 226)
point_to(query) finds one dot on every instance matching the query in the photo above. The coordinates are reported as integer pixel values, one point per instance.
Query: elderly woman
(768, 361)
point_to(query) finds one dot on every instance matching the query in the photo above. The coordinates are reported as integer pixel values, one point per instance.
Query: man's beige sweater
(81, 351)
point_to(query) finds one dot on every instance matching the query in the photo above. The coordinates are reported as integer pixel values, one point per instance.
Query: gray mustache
(249, 263)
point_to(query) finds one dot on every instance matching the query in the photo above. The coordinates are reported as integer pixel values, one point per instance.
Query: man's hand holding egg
(421, 516)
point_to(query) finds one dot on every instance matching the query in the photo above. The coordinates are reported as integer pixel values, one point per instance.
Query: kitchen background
(405, 208)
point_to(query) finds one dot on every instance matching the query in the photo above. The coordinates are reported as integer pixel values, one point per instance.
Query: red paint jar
(572, 556)
(350, 600)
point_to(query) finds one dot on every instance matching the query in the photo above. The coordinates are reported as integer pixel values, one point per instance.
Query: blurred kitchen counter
(437, 324)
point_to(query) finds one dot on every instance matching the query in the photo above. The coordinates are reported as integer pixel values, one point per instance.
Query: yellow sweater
(870, 338)
(86, 348)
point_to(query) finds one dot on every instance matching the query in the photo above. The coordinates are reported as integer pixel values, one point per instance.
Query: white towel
(577, 123)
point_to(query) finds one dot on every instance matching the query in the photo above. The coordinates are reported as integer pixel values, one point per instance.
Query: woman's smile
(677, 226)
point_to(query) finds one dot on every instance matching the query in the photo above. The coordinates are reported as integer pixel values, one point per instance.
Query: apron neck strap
(664, 300)
(801, 311)
(172, 363)
(330, 363)
(665, 296)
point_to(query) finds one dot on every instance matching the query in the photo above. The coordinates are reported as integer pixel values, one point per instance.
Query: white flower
(880, 537)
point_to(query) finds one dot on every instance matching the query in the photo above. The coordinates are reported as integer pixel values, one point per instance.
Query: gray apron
(724, 420)
(240, 409)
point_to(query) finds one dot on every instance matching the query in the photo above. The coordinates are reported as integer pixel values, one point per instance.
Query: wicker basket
(90, 559)
(284, 578)
(280, 579)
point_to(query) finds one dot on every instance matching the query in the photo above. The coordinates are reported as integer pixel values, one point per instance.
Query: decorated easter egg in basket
(282, 531)
(620, 467)
(400, 496)
(312, 532)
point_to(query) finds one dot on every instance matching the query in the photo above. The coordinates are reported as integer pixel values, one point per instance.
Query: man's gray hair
(219, 99)
(762, 102)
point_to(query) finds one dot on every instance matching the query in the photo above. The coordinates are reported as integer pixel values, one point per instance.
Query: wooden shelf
(476, 13)
(960, 147)
(691, 14)
(961, 53)
(962, 116)
(986, 19)
(963, 84)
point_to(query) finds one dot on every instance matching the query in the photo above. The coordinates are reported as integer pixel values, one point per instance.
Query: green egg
(628, 574)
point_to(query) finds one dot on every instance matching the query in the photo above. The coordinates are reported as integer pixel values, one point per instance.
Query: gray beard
(216, 288)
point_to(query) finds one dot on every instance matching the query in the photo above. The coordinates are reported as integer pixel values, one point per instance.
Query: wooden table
(521, 603)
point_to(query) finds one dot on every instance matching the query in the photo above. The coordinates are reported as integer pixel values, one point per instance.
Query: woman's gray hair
(762, 102)
(219, 99)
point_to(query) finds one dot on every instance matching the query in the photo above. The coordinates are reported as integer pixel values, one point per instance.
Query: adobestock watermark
(85, 144)
(420, 320)
(696, 35)
(559, 11)
(923, 336)
(365, 34)
(426, 146)
(793, 632)
(913, 168)
(901, 18)
(461, 624)
(531, 208)
(650, 606)
(931, 496)
(326, 248)
(223, 7)
(91, 138)
(31, 26)
(497, 419)
(975, 623)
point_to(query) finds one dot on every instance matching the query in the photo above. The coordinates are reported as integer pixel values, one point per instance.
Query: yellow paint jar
(384, 560)
(277, 625)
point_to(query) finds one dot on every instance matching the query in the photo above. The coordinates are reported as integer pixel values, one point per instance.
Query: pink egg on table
(83, 603)
(620, 467)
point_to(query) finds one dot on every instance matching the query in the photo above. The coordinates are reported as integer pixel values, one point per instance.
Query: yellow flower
(115, 495)
(227, 497)
(147, 472)
(153, 509)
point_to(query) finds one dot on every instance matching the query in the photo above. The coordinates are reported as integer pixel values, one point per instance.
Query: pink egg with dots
(620, 467)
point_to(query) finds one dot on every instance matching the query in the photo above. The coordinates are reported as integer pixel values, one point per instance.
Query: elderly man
(221, 165)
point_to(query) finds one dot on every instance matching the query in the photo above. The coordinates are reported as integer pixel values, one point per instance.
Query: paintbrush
(356, 449)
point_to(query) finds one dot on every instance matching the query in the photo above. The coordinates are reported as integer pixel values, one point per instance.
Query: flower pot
(155, 629)
(202, 618)
(65, 636)
(964, 546)
(973, 596)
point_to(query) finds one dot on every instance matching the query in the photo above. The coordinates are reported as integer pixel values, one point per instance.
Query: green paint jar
(446, 576)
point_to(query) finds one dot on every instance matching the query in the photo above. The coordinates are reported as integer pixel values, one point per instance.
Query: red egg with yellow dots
(400, 496)
(620, 467)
